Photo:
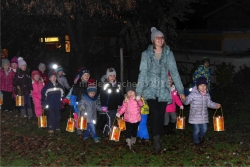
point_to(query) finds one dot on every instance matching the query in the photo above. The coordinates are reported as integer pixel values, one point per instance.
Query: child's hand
(183, 97)
(181, 107)
(218, 106)
(117, 115)
(138, 98)
(18, 87)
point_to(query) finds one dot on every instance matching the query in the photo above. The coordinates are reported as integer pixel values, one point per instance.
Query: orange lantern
(1, 98)
(70, 125)
(42, 121)
(121, 124)
(115, 133)
(218, 122)
(180, 122)
(19, 99)
(82, 123)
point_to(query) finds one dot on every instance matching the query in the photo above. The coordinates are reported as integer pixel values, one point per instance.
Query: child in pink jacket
(37, 84)
(170, 114)
(132, 115)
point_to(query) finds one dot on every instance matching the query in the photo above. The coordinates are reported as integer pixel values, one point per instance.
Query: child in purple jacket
(199, 100)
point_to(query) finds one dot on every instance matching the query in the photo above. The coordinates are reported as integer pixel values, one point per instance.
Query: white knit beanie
(110, 71)
(21, 62)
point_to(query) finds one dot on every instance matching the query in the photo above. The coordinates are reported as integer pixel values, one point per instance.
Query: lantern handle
(220, 110)
(181, 113)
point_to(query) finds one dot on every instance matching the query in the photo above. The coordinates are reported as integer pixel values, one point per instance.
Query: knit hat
(205, 59)
(35, 72)
(82, 71)
(201, 80)
(132, 88)
(14, 60)
(41, 65)
(110, 71)
(155, 33)
(59, 69)
(5, 61)
(52, 72)
(21, 62)
(91, 86)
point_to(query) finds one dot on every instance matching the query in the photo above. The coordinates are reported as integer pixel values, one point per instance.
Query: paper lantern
(181, 121)
(218, 122)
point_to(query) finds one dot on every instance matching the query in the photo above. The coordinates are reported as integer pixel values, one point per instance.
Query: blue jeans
(27, 103)
(199, 132)
(90, 131)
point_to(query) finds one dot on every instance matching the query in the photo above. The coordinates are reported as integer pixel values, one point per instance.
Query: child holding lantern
(22, 82)
(199, 100)
(37, 84)
(51, 96)
(88, 106)
(131, 108)
(170, 114)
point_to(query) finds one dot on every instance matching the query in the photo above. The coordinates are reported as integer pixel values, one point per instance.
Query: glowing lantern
(181, 120)
(19, 99)
(70, 124)
(121, 124)
(218, 122)
(42, 120)
(115, 133)
(82, 123)
(1, 98)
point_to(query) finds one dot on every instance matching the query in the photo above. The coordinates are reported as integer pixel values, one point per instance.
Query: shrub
(242, 76)
(224, 73)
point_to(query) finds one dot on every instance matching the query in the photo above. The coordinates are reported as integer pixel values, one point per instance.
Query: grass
(24, 144)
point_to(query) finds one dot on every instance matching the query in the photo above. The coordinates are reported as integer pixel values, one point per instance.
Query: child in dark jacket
(88, 105)
(51, 96)
(78, 91)
(22, 81)
(111, 96)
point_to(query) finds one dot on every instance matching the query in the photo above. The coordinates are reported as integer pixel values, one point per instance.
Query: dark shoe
(166, 130)
(172, 128)
(202, 140)
(157, 146)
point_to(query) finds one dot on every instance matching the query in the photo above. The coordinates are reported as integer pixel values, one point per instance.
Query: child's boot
(128, 140)
(172, 127)
(30, 114)
(133, 140)
(23, 113)
(167, 129)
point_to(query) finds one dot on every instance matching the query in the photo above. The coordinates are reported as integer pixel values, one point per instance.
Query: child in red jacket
(37, 84)
(170, 115)
(6, 86)
(132, 115)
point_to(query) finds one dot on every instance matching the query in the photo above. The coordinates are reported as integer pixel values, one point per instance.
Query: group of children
(47, 90)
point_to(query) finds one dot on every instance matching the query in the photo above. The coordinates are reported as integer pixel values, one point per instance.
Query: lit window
(67, 43)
